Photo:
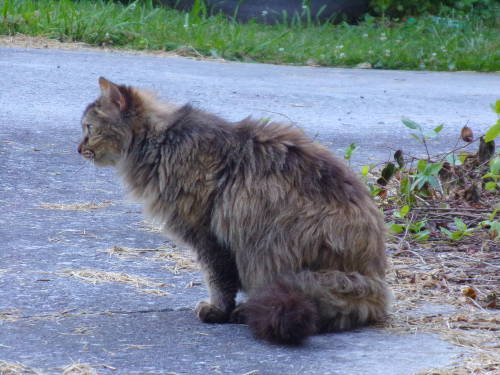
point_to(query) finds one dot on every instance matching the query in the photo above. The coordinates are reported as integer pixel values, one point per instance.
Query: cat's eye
(90, 128)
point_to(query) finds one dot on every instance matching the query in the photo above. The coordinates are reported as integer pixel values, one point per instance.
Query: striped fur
(266, 210)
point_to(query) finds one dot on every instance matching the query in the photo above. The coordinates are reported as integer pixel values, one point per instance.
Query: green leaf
(419, 182)
(396, 228)
(492, 132)
(494, 227)
(416, 137)
(348, 153)
(490, 186)
(417, 227)
(497, 107)
(402, 212)
(365, 170)
(433, 181)
(495, 165)
(460, 224)
(438, 128)
(433, 169)
(410, 124)
(422, 236)
(445, 231)
(463, 156)
(421, 165)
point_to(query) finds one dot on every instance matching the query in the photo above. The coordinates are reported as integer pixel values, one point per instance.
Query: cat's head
(107, 124)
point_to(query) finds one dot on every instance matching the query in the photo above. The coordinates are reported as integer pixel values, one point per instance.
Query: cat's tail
(299, 305)
(281, 313)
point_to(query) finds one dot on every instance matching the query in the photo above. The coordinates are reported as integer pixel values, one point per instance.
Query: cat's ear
(112, 94)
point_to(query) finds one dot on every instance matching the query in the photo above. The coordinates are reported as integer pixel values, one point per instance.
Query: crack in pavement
(69, 314)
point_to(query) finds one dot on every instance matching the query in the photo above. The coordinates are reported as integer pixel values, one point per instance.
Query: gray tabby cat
(266, 210)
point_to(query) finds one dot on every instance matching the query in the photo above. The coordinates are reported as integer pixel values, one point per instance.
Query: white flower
(342, 55)
(365, 35)
(339, 46)
(434, 54)
(264, 13)
(370, 52)
(382, 38)
(387, 52)
(186, 25)
(281, 49)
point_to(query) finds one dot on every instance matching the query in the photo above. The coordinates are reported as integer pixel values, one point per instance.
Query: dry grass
(420, 277)
(38, 42)
(15, 368)
(97, 276)
(129, 252)
(146, 226)
(79, 369)
(88, 206)
(180, 259)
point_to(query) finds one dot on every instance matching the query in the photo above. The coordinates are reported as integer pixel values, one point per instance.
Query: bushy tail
(291, 309)
(281, 314)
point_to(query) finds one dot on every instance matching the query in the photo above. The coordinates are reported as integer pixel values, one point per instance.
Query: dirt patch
(38, 42)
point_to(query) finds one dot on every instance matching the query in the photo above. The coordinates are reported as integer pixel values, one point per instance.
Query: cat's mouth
(88, 154)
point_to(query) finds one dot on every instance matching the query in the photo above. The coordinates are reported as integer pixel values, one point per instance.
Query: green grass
(429, 43)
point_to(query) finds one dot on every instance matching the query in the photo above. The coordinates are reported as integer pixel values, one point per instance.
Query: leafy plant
(494, 228)
(422, 135)
(349, 151)
(427, 173)
(494, 131)
(493, 175)
(417, 229)
(462, 230)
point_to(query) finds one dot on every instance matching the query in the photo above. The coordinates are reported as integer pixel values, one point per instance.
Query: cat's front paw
(239, 315)
(208, 313)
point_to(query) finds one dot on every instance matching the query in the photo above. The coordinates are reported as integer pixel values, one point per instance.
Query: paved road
(49, 317)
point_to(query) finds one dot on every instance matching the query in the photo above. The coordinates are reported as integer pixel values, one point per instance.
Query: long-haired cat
(266, 210)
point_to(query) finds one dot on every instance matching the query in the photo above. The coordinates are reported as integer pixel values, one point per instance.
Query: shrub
(401, 8)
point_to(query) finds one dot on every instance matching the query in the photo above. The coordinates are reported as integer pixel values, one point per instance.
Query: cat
(266, 210)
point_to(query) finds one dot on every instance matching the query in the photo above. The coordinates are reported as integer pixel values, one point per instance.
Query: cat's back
(285, 153)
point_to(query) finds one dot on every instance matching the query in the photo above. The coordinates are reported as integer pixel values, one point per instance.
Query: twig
(414, 253)
(448, 209)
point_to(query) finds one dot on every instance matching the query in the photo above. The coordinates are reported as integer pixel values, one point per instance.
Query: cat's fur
(266, 210)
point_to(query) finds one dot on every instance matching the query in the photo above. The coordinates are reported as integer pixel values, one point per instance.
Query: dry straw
(79, 369)
(15, 368)
(88, 206)
(142, 284)
(179, 259)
